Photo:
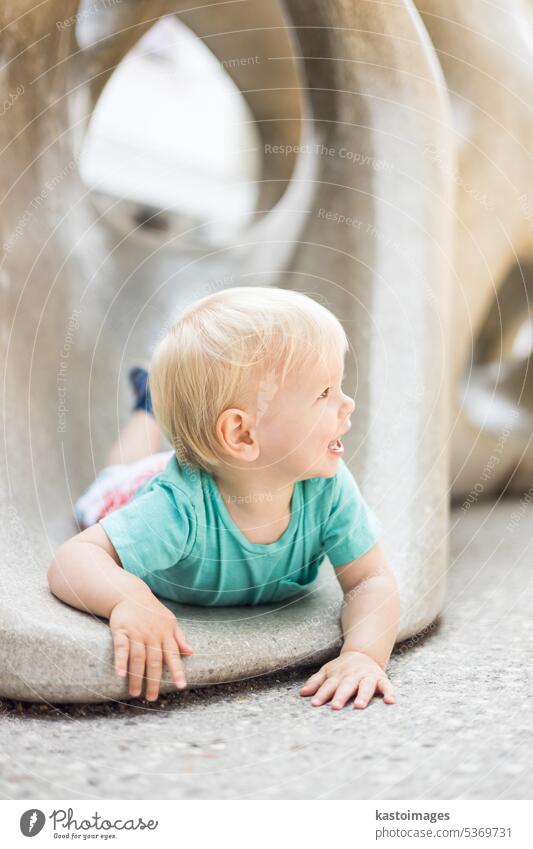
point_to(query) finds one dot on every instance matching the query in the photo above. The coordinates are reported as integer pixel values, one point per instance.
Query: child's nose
(349, 406)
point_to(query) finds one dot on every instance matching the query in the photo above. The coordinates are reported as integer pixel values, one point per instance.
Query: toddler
(247, 388)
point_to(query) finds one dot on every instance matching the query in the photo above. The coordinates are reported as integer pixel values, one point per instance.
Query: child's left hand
(351, 671)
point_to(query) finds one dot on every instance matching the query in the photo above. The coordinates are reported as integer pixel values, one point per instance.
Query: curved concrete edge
(71, 659)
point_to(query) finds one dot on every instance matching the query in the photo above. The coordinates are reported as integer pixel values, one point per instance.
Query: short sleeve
(153, 532)
(351, 528)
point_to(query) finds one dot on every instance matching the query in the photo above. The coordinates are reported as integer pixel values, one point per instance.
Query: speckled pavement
(461, 728)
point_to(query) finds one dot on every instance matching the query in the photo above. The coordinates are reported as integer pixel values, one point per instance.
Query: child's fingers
(154, 668)
(367, 686)
(173, 661)
(387, 689)
(137, 661)
(313, 683)
(121, 647)
(326, 691)
(345, 691)
(181, 639)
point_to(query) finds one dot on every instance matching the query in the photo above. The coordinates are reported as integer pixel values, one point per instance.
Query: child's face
(296, 426)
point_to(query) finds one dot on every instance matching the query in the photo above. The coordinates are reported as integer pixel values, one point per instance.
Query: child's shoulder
(183, 482)
(181, 475)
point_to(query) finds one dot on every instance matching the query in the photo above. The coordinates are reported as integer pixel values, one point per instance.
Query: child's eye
(323, 395)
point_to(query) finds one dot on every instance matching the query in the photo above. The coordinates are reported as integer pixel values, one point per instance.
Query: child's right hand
(146, 633)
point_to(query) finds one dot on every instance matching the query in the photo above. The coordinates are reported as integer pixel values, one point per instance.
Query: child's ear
(237, 434)
(251, 438)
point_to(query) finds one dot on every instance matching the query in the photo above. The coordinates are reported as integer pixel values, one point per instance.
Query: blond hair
(233, 348)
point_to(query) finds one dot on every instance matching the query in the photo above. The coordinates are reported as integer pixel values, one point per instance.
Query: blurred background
(148, 155)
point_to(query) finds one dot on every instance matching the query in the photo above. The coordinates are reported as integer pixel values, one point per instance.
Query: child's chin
(327, 470)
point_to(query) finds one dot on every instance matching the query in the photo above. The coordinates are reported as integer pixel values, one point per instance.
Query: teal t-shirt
(177, 535)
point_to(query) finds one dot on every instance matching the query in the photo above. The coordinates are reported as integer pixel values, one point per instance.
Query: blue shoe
(138, 378)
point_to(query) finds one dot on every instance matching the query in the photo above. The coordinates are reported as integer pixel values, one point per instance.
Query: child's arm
(370, 619)
(86, 573)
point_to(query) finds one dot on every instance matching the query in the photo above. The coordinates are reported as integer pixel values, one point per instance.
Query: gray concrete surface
(462, 726)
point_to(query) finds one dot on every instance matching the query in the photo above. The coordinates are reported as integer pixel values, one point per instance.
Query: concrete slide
(358, 214)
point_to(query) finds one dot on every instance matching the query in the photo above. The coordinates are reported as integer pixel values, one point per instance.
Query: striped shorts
(116, 485)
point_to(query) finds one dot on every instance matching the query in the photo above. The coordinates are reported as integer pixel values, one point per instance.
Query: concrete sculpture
(368, 99)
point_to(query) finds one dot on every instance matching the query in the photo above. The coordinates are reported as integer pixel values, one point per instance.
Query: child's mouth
(336, 447)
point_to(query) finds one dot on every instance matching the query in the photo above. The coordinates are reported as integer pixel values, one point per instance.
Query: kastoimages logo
(31, 822)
